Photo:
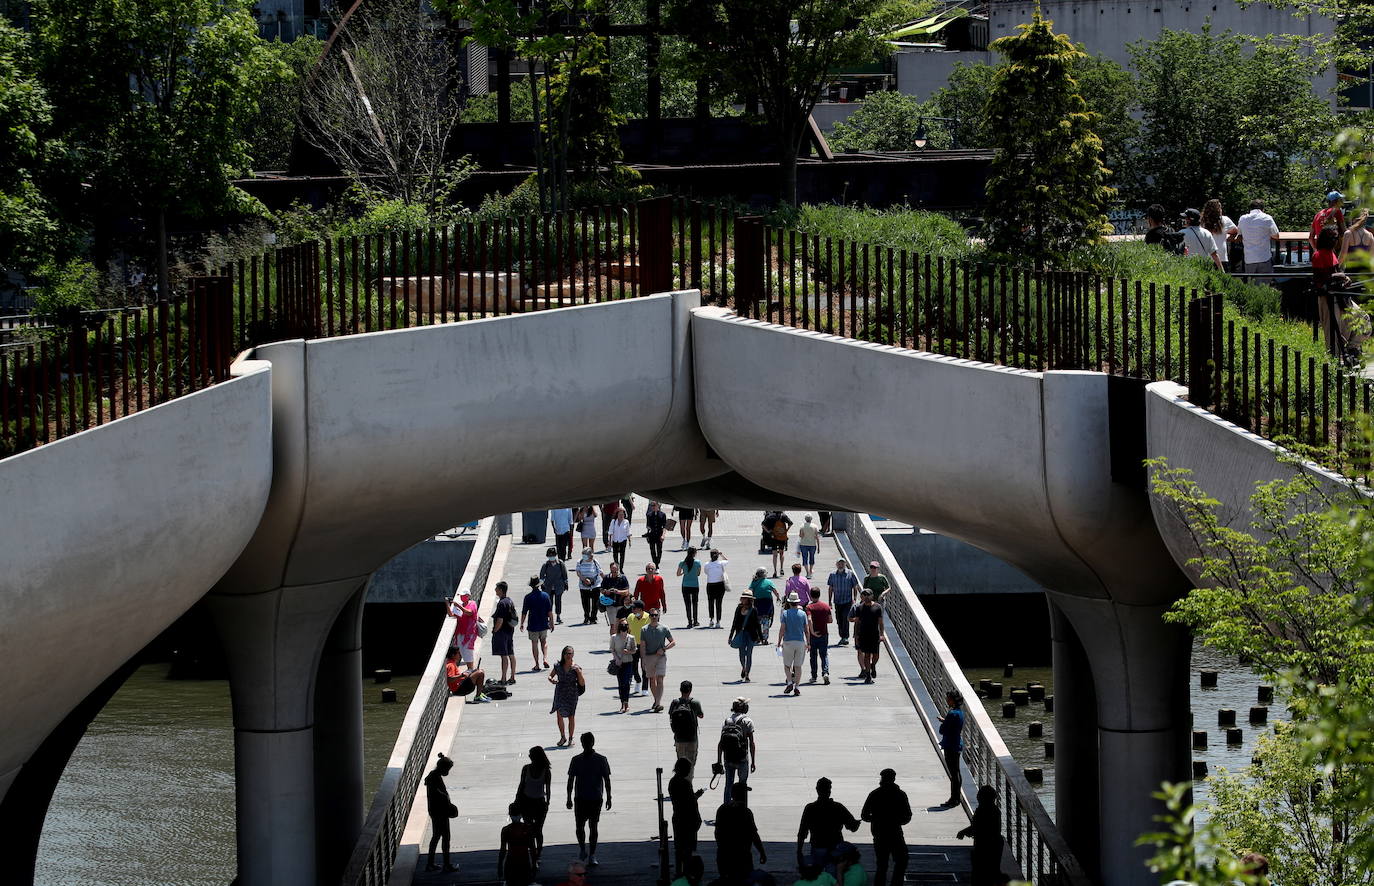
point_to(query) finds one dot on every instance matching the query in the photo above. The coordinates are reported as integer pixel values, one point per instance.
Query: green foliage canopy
(25, 224)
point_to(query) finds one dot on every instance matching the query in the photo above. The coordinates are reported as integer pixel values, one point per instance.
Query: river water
(149, 794)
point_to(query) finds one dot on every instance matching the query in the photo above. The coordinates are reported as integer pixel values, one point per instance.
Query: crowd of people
(794, 616)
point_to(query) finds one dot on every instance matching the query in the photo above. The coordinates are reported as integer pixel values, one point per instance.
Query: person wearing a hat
(887, 810)
(464, 611)
(737, 834)
(793, 640)
(1197, 239)
(746, 631)
(765, 595)
(1329, 215)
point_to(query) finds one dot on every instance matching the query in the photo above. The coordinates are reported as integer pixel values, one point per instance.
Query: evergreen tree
(1047, 187)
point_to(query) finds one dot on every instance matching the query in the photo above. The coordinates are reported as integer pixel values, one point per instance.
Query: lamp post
(921, 140)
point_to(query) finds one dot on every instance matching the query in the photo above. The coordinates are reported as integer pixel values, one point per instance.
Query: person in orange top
(649, 588)
(464, 682)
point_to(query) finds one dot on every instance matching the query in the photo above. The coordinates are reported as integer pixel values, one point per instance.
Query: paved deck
(845, 731)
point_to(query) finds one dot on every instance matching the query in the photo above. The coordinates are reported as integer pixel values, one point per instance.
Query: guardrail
(375, 852)
(1031, 835)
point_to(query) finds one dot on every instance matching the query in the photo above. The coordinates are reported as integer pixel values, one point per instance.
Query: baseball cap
(874, 564)
(1334, 195)
(1192, 215)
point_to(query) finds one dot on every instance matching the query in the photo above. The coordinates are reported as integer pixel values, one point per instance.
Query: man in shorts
(867, 619)
(503, 633)
(588, 772)
(464, 682)
(536, 612)
(654, 642)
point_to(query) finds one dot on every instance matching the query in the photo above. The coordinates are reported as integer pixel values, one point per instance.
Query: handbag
(481, 628)
(452, 811)
(670, 525)
(607, 601)
(613, 668)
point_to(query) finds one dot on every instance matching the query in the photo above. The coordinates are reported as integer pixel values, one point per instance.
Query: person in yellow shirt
(638, 620)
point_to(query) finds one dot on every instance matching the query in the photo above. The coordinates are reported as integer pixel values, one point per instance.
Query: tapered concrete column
(274, 641)
(339, 802)
(1075, 744)
(1139, 667)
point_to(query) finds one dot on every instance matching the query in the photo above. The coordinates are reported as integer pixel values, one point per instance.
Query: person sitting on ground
(464, 682)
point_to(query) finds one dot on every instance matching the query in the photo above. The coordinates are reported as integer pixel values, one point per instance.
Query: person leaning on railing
(1336, 310)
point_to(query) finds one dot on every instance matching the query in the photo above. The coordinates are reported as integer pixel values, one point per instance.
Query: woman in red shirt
(1325, 277)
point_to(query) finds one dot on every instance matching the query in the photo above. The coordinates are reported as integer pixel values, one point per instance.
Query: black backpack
(733, 742)
(682, 720)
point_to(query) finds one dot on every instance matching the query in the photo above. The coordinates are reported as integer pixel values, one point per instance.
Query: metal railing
(1031, 835)
(375, 852)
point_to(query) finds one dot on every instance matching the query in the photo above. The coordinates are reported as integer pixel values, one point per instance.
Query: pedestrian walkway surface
(846, 731)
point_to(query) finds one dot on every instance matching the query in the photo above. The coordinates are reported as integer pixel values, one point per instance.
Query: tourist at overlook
(1358, 241)
(765, 595)
(716, 580)
(707, 516)
(685, 518)
(690, 570)
(1222, 229)
(1330, 215)
(683, 714)
(586, 522)
(1157, 230)
(1258, 233)
(686, 814)
(620, 536)
(737, 834)
(562, 521)
(623, 648)
(808, 543)
(464, 611)
(614, 594)
(441, 810)
(536, 618)
(588, 774)
(746, 632)
(534, 795)
(471, 681)
(867, 619)
(824, 819)
(952, 743)
(654, 642)
(793, 641)
(503, 633)
(568, 683)
(986, 831)
(887, 810)
(553, 575)
(655, 524)
(736, 753)
(818, 618)
(1197, 239)
(589, 585)
(842, 584)
(775, 527)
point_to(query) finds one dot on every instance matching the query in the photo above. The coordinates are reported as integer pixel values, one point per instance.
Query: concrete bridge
(280, 491)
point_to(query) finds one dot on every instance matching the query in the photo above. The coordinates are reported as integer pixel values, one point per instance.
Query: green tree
(1047, 187)
(271, 129)
(26, 227)
(780, 52)
(1231, 117)
(886, 121)
(151, 99)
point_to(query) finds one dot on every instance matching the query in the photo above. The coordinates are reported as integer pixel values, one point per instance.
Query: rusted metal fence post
(1202, 363)
(749, 267)
(655, 232)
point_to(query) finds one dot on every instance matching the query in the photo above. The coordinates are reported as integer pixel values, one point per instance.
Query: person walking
(535, 794)
(649, 588)
(952, 743)
(464, 612)
(589, 774)
(765, 595)
(1198, 240)
(685, 518)
(655, 525)
(683, 714)
(825, 517)
(737, 835)
(716, 582)
(736, 753)
(1258, 234)
(536, 620)
(614, 595)
(562, 521)
(792, 640)
(441, 811)
(746, 632)
(608, 512)
(986, 831)
(808, 543)
(818, 618)
(867, 619)
(690, 570)
(887, 810)
(623, 648)
(553, 576)
(776, 526)
(876, 582)
(586, 522)
(568, 683)
(797, 584)
(503, 622)
(620, 536)
(708, 526)
(515, 860)
(589, 584)
(654, 641)
(825, 820)
(638, 620)
(842, 584)
(1222, 229)
(686, 813)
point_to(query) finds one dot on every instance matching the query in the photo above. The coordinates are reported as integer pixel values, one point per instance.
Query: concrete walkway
(846, 731)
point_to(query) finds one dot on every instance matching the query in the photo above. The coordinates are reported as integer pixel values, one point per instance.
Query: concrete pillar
(1075, 737)
(1139, 667)
(339, 802)
(273, 642)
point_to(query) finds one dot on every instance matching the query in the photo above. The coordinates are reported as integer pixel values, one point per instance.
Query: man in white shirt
(1197, 239)
(1257, 233)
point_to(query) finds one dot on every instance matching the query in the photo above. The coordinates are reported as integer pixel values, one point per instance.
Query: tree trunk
(789, 146)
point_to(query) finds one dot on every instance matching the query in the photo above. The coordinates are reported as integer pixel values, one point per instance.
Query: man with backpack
(736, 753)
(683, 714)
(1158, 233)
(775, 526)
